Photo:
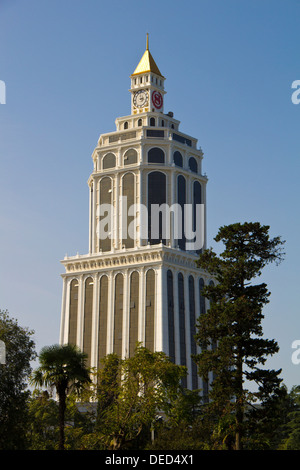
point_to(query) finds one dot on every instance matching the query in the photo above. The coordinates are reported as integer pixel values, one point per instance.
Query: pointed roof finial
(147, 63)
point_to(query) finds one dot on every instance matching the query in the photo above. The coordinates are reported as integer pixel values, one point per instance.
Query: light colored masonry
(129, 289)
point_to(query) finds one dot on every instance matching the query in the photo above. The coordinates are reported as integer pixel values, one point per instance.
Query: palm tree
(65, 368)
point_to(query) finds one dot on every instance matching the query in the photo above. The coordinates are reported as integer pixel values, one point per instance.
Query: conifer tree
(230, 334)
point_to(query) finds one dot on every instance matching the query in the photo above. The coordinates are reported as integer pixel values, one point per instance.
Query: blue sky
(66, 64)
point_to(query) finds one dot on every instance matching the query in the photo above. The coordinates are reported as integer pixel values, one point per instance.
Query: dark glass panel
(156, 195)
(202, 311)
(182, 324)
(193, 165)
(197, 199)
(156, 155)
(73, 309)
(202, 298)
(155, 133)
(128, 192)
(102, 332)
(118, 320)
(181, 199)
(193, 330)
(87, 324)
(134, 312)
(178, 159)
(109, 161)
(181, 139)
(149, 313)
(105, 222)
(130, 157)
(170, 299)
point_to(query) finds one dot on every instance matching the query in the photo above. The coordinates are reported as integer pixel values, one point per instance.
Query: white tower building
(136, 285)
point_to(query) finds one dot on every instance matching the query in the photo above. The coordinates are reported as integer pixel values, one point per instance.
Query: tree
(19, 352)
(43, 418)
(267, 424)
(63, 367)
(186, 428)
(130, 393)
(291, 431)
(230, 333)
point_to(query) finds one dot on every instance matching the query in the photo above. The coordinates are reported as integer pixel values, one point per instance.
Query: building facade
(139, 281)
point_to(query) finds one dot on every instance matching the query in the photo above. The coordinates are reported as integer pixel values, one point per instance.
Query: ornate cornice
(158, 254)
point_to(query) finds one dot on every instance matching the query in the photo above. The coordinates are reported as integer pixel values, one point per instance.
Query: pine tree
(230, 332)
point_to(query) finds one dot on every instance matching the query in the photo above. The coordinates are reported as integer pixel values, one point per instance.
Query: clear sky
(229, 66)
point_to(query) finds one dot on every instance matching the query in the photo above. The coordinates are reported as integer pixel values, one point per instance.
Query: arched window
(128, 192)
(170, 297)
(140, 122)
(156, 155)
(193, 330)
(193, 165)
(181, 200)
(178, 159)
(130, 157)
(109, 161)
(156, 195)
(126, 125)
(73, 308)
(214, 342)
(149, 313)
(152, 121)
(162, 123)
(118, 320)
(105, 218)
(134, 312)
(182, 324)
(88, 312)
(201, 296)
(197, 199)
(202, 311)
(102, 332)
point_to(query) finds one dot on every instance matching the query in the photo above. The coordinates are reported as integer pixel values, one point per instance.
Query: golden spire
(147, 63)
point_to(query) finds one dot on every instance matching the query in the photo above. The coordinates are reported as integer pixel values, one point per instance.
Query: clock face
(140, 98)
(157, 99)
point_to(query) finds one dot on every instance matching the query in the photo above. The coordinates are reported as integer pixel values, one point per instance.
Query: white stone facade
(112, 316)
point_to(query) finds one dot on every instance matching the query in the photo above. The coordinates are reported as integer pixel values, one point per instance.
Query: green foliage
(130, 393)
(291, 430)
(230, 332)
(62, 367)
(43, 419)
(20, 351)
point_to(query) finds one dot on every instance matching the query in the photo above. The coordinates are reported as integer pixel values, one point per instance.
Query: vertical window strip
(102, 332)
(118, 315)
(170, 300)
(73, 309)
(87, 323)
(149, 313)
(182, 324)
(133, 312)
